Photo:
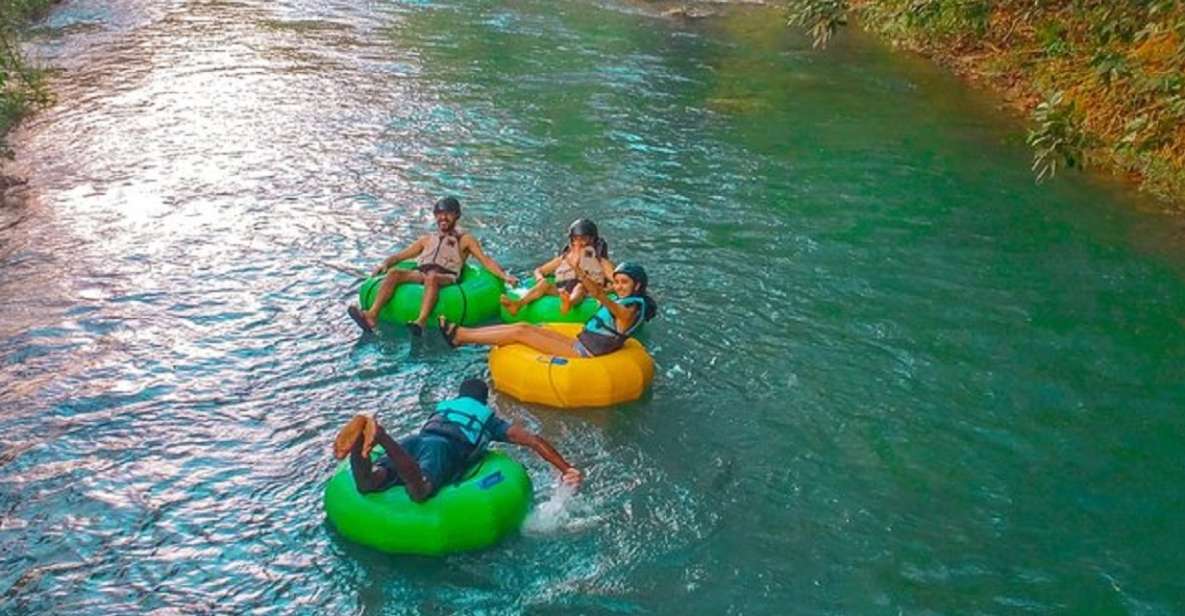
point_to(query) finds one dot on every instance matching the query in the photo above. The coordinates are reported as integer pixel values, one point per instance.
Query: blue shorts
(440, 458)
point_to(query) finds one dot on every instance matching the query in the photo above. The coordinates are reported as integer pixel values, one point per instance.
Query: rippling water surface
(894, 375)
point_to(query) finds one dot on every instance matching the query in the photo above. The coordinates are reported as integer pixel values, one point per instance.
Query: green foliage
(1057, 138)
(1116, 67)
(909, 21)
(946, 17)
(820, 17)
(1052, 37)
(1111, 23)
(1110, 66)
(22, 87)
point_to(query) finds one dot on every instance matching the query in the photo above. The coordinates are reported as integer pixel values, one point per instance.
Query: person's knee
(421, 496)
(395, 275)
(432, 280)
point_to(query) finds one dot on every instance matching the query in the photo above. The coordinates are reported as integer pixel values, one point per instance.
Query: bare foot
(348, 436)
(510, 305)
(368, 435)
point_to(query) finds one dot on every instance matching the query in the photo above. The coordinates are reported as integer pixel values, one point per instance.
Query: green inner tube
(473, 300)
(546, 309)
(489, 502)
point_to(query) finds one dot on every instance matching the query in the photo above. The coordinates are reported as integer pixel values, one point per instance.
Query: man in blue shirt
(456, 435)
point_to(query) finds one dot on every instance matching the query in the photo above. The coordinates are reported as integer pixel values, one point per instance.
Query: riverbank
(22, 87)
(1102, 84)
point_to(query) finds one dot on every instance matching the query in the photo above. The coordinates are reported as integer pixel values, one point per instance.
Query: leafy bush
(1057, 137)
(22, 88)
(1116, 68)
(820, 17)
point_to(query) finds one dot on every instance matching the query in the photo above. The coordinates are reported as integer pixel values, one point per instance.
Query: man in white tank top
(439, 258)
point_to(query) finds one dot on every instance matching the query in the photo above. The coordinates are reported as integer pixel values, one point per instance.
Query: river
(894, 374)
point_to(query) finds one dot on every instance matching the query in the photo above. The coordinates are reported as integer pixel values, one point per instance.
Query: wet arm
(548, 268)
(595, 290)
(607, 268)
(475, 249)
(407, 253)
(621, 314)
(521, 436)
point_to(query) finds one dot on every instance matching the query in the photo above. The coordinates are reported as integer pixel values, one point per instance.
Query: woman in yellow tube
(604, 333)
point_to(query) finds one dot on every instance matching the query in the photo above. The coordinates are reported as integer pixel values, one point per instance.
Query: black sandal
(356, 314)
(449, 332)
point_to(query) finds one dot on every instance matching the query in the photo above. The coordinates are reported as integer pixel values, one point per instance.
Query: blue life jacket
(600, 335)
(463, 418)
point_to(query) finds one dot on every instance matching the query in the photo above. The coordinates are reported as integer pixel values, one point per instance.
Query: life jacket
(462, 418)
(589, 262)
(443, 250)
(600, 335)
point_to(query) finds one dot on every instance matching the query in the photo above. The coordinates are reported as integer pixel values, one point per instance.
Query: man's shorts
(447, 276)
(440, 458)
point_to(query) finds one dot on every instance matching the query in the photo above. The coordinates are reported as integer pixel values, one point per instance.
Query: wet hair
(476, 389)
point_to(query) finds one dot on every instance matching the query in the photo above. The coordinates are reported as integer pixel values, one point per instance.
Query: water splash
(561, 513)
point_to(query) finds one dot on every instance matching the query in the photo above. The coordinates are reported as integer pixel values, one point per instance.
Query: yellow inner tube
(566, 382)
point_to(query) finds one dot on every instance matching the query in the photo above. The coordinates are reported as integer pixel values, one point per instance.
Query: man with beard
(440, 258)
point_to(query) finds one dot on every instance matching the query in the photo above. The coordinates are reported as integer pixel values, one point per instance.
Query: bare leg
(370, 478)
(432, 283)
(391, 281)
(567, 300)
(532, 294)
(538, 338)
(577, 295)
(511, 305)
(418, 486)
(506, 328)
(367, 477)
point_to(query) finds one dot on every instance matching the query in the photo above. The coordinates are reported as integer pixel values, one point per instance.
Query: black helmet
(449, 205)
(476, 389)
(636, 272)
(583, 226)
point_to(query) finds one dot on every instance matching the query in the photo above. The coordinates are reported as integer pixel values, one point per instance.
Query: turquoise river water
(894, 375)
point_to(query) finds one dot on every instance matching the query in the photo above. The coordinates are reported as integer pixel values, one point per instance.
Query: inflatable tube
(546, 309)
(471, 301)
(564, 382)
(488, 503)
